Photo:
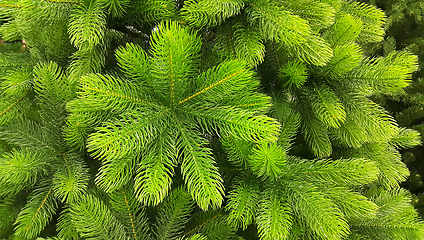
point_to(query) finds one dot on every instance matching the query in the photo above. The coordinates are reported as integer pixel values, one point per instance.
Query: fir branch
(318, 14)
(87, 25)
(296, 72)
(211, 86)
(107, 92)
(195, 237)
(174, 58)
(36, 214)
(150, 11)
(77, 129)
(50, 238)
(71, 181)
(209, 13)
(118, 141)
(116, 8)
(347, 172)
(114, 174)
(239, 123)
(318, 213)
(153, 179)
(65, 227)
(365, 122)
(289, 119)
(238, 150)
(133, 132)
(248, 44)
(224, 42)
(130, 212)
(9, 61)
(133, 59)
(86, 61)
(345, 30)
(93, 219)
(386, 75)
(130, 216)
(173, 214)
(316, 135)
(199, 171)
(28, 134)
(274, 216)
(22, 168)
(388, 160)
(51, 85)
(353, 205)
(395, 218)
(346, 58)
(213, 225)
(327, 106)
(372, 18)
(242, 204)
(161, 113)
(406, 138)
(17, 83)
(314, 50)
(277, 24)
(9, 210)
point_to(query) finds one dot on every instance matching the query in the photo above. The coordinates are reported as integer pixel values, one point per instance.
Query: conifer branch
(87, 26)
(153, 179)
(28, 134)
(352, 204)
(65, 227)
(22, 168)
(130, 212)
(38, 210)
(277, 24)
(210, 13)
(173, 214)
(319, 214)
(345, 30)
(225, 41)
(274, 217)
(195, 237)
(238, 150)
(93, 219)
(36, 214)
(71, 182)
(199, 171)
(54, 1)
(267, 160)
(108, 92)
(243, 204)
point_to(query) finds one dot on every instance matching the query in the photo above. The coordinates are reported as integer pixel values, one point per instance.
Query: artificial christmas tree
(117, 116)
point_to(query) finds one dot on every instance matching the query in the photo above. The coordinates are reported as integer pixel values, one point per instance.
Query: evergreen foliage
(404, 31)
(200, 119)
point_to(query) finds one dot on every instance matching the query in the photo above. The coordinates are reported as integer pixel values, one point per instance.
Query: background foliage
(404, 31)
